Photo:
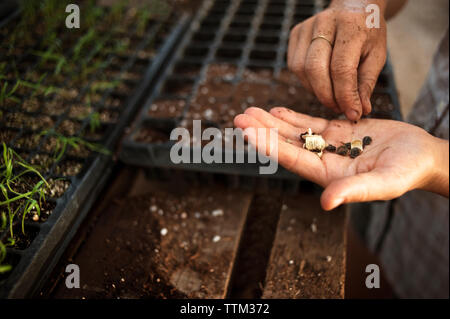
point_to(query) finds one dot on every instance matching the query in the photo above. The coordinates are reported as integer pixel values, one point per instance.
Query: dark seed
(348, 145)
(342, 150)
(330, 148)
(354, 152)
(367, 140)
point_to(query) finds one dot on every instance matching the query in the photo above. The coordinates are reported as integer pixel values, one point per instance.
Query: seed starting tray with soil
(66, 97)
(233, 57)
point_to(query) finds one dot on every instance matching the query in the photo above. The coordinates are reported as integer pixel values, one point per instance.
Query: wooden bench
(200, 239)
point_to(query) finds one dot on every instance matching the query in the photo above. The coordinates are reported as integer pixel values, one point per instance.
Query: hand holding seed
(390, 159)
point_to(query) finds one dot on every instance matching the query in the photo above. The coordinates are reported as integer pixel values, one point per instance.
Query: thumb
(368, 73)
(360, 188)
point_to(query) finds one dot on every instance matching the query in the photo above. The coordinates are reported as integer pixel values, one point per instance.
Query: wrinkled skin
(401, 157)
(342, 75)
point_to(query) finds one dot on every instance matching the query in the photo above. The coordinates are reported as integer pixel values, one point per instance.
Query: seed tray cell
(94, 109)
(238, 70)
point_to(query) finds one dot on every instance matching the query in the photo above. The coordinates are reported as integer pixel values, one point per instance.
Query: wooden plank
(308, 256)
(163, 240)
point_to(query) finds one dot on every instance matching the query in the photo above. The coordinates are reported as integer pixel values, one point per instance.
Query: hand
(342, 74)
(401, 157)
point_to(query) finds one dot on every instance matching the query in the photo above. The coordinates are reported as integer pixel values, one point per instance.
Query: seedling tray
(78, 176)
(232, 57)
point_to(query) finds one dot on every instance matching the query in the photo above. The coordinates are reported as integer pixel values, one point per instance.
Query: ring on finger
(322, 37)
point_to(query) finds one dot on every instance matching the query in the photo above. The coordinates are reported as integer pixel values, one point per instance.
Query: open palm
(394, 163)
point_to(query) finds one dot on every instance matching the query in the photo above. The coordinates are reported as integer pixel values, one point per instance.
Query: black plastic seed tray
(81, 173)
(232, 57)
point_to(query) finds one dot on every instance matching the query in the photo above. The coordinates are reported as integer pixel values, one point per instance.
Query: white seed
(291, 262)
(208, 113)
(292, 90)
(314, 228)
(216, 238)
(153, 208)
(212, 100)
(217, 212)
(35, 217)
(183, 215)
(164, 232)
(329, 258)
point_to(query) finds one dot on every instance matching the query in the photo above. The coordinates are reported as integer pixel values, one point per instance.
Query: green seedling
(93, 13)
(103, 85)
(94, 122)
(37, 87)
(82, 43)
(143, 18)
(3, 267)
(6, 94)
(48, 55)
(13, 200)
(62, 142)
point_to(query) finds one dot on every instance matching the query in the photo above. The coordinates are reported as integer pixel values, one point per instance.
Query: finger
(268, 120)
(344, 72)
(317, 61)
(368, 73)
(363, 187)
(299, 52)
(293, 158)
(292, 45)
(302, 121)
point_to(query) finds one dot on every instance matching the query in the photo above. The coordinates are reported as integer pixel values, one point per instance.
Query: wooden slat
(127, 255)
(308, 256)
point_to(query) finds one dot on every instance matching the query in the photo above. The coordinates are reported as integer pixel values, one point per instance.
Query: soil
(158, 239)
(161, 243)
(167, 108)
(308, 255)
(152, 136)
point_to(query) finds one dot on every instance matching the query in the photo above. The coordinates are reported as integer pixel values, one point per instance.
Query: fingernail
(352, 115)
(337, 202)
(368, 107)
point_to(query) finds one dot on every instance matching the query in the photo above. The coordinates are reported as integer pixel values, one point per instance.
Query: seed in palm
(342, 150)
(355, 152)
(313, 142)
(356, 148)
(366, 141)
(330, 148)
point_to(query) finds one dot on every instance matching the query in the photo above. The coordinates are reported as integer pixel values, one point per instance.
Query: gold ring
(322, 37)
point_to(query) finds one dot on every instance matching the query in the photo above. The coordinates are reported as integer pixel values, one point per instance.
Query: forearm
(438, 181)
(390, 8)
(359, 4)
